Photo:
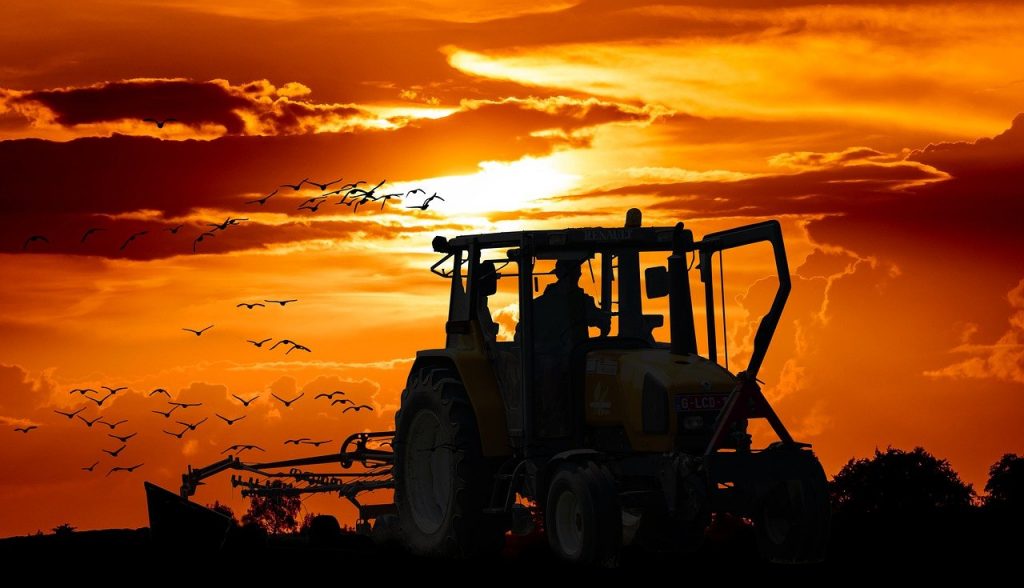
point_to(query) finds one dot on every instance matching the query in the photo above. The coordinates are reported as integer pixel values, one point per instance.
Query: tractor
(587, 413)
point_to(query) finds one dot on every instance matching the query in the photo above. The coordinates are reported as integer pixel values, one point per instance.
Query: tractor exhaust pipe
(680, 304)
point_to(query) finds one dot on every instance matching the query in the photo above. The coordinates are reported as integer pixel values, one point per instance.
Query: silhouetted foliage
(1005, 486)
(223, 509)
(898, 483)
(275, 514)
(64, 529)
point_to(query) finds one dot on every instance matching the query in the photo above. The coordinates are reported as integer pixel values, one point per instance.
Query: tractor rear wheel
(583, 520)
(793, 517)
(443, 482)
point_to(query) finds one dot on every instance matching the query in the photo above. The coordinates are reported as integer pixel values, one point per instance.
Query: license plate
(688, 402)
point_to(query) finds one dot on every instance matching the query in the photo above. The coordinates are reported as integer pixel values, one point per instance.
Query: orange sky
(885, 137)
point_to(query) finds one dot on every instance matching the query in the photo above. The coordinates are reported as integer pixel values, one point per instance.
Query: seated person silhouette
(487, 285)
(562, 317)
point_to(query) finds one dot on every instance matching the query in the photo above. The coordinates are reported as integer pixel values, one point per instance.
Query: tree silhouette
(63, 529)
(223, 509)
(275, 513)
(1005, 486)
(899, 483)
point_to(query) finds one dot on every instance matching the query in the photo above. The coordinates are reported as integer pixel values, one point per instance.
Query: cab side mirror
(656, 282)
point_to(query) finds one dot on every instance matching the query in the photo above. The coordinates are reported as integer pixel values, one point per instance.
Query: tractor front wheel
(794, 515)
(583, 520)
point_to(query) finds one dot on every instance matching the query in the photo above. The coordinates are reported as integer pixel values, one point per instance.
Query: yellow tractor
(594, 417)
(593, 413)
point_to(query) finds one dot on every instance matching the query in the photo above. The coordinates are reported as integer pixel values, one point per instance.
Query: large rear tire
(794, 516)
(583, 519)
(443, 482)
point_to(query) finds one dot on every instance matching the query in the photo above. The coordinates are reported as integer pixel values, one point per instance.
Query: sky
(886, 137)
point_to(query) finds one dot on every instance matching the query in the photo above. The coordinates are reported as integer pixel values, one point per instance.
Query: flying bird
(342, 401)
(81, 391)
(282, 342)
(359, 407)
(185, 404)
(70, 415)
(251, 305)
(131, 238)
(128, 469)
(295, 441)
(178, 435)
(174, 230)
(160, 391)
(239, 448)
(122, 438)
(28, 428)
(114, 390)
(259, 343)
(159, 123)
(426, 203)
(199, 332)
(90, 468)
(323, 187)
(115, 452)
(90, 231)
(288, 403)
(167, 414)
(295, 187)
(229, 421)
(352, 186)
(299, 347)
(281, 302)
(314, 443)
(384, 199)
(34, 238)
(262, 201)
(87, 422)
(312, 208)
(192, 426)
(245, 402)
(112, 425)
(328, 396)
(415, 190)
(200, 238)
(99, 401)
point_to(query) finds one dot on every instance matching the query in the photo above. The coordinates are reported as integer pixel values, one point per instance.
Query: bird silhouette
(416, 190)
(28, 428)
(299, 347)
(131, 238)
(122, 438)
(245, 402)
(250, 305)
(70, 415)
(160, 391)
(185, 404)
(115, 452)
(342, 401)
(229, 421)
(315, 443)
(82, 391)
(295, 441)
(178, 435)
(282, 342)
(90, 468)
(262, 201)
(200, 238)
(112, 425)
(159, 123)
(199, 332)
(239, 448)
(90, 231)
(34, 238)
(288, 403)
(295, 187)
(359, 407)
(192, 426)
(99, 401)
(167, 414)
(386, 197)
(87, 422)
(369, 192)
(174, 230)
(323, 187)
(281, 302)
(313, 208)
(329, 396)
(259, 343)
(426, 203)
(351, 186)
(114, 390)
(128, 469)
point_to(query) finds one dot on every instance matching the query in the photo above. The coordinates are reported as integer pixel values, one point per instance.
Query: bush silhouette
(275, 514)
(897, 484)
(1005, 486)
